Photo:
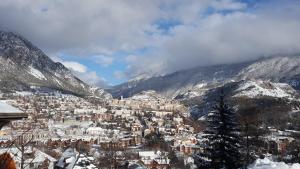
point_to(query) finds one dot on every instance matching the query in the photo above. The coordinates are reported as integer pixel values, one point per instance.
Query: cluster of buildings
(56, 122)
(64, 131)
(280, 142)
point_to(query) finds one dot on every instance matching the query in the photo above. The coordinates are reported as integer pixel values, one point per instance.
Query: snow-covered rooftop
(6, 108)
(269, 164)
(8, 112)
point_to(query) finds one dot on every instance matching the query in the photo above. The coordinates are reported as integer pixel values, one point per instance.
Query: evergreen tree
(173, 157)
(222, 145)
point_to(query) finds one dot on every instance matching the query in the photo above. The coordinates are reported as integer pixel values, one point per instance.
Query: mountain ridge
(284, 69)
(24, 66)
(185, 78)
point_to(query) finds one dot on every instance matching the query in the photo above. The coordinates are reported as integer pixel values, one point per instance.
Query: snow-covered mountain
(192, 82)
(23, 67)
(179, 82)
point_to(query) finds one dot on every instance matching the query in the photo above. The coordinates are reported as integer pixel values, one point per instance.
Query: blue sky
(107, 43)
(105, 71)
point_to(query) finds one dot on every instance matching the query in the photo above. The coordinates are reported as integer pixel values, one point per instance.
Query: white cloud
(228, 5)
(119, 74)
(226, 38)
(101, 28)
(72, 65)
(103, 60)
(82, 72)
(92, 78)
(75, 66)
(131, 58)
(94, 26)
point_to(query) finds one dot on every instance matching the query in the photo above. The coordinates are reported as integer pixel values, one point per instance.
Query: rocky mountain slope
(24, 67)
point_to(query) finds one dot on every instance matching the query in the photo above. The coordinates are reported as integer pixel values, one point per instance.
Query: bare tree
(22, 144)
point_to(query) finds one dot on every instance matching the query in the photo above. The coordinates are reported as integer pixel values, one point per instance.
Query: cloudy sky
(111, 41)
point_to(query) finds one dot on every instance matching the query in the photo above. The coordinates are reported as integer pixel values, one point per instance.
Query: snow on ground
(260, 88)
(268, 164)
(23, 93)
(36, 73)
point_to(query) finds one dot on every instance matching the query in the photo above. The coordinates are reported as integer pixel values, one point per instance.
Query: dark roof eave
(12, 116)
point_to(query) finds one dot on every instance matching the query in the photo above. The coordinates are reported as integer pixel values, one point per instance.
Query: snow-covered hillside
(149, 95)
(274, 68)
(257, 88)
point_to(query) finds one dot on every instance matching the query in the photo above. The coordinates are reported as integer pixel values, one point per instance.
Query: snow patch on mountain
(201, 85)
(147, 96)
(140, 77)
(36, 73)
(256, 88)
(196, 91)
(58, 82)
